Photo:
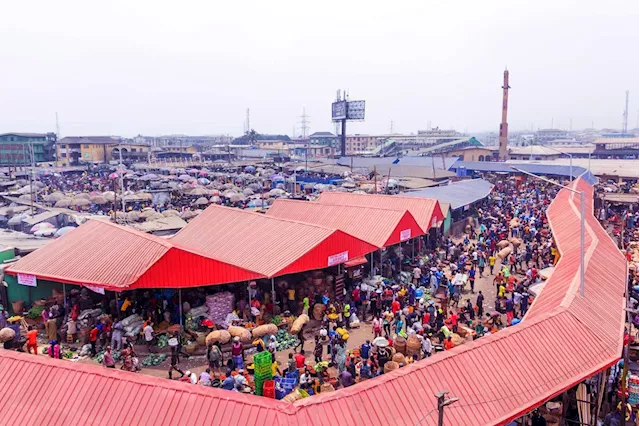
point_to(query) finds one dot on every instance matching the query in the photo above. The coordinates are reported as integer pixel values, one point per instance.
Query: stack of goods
(264, 330)
(132, 325)
(218, 336)
(269, 389)
(241, 332)
(318, 311)
(262, 370)
(413, 345)
(229, 320)
(390, 366)
(633, 389)
(400, 344)
(86, 320)
(219, 306)
(299, 323)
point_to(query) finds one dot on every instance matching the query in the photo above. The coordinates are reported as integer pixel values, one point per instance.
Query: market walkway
(564, 339)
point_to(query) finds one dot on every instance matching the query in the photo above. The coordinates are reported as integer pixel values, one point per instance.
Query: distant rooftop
(90, 139)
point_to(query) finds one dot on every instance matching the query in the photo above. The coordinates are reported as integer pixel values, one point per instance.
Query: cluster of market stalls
(227, 248)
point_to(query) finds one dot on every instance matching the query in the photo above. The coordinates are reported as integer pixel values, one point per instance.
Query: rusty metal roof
(115, 257)
(380, 227)
(266, 244)
(426, 211)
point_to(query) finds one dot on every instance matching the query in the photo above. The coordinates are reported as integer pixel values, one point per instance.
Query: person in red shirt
(448, 344)
(32, 340)
(93, 338)
(395, 306)
(426, 318)
(454, 321)
(300, 359)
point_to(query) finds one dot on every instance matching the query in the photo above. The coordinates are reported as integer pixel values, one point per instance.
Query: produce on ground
(35, 312)
(285, 341)
(154, 359)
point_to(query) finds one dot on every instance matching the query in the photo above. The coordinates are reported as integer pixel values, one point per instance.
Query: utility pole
(248, 121)
(391, 126)
(442, 402)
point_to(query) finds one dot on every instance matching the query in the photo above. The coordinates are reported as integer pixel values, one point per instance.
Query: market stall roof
(380, 227)
(564, 339)
(115, 257)
(425, 211)
(266, 244)
(458, 194)
(620, 197)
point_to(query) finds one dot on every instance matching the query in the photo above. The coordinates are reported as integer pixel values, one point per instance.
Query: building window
(63, 146)
(133, 150)
(86, 147)
(63, 155)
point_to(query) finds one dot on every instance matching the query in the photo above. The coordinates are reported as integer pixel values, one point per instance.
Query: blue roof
(457, 194)
(405, 160)
(538, 169)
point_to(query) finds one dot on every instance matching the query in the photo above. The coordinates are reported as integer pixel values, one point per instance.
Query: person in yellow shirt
(291, 296)
(501, 290)
(492, 263)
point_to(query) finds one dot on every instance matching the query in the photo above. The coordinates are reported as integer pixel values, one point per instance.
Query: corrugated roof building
(426, 212)
(564, 339)
(457, 194)
(268, 245)
(115, 257)
(380, 227)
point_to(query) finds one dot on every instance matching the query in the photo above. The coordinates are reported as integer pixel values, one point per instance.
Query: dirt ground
(198, 363)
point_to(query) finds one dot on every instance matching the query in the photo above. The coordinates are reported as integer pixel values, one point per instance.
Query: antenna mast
(248, 121)
(304, 123)
(625, 115)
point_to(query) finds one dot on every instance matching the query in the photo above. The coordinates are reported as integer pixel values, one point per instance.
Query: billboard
(355, 110)
(339, 110)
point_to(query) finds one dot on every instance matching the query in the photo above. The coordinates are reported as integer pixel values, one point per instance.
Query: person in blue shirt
(472, 279)
(364, 350)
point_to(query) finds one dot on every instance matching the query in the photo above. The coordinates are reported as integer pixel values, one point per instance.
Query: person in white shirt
(417, 272)
(427, 347)
(148, 336)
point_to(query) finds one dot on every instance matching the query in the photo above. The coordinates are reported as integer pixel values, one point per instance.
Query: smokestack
(502, 152)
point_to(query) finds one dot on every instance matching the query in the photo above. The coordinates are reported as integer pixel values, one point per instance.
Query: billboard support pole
(343, 137)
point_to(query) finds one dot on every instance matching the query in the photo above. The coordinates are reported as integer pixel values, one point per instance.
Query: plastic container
(269, 389)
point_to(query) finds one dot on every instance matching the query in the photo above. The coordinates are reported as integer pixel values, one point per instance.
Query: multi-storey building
(16, 148)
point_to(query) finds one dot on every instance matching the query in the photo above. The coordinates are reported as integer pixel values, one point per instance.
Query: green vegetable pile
(35, 312)
(285, 340)
(276, 320)
(154, 359)
(100, 356)
(163, 341)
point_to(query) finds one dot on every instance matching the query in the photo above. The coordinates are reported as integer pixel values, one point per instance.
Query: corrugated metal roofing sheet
(496, 378)
(266, 244)
(116, 257)
(380, 227)
(458, 194)
(425, 211)
(539, 169)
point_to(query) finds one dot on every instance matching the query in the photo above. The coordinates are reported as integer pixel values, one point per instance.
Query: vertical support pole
(273, 291)
(180, 302)
(64, 295)
(582, 243)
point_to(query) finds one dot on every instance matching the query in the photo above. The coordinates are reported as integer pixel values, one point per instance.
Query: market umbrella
(199, 191)
(188, 214)
(147, 213)
(149, 176)
(170, 212)
(17, 220)
(255, 187)
(109, 195)
(39, 226)
(25, 197)
(80, 202)
(250, 169)
(277, 192)
(144, 195)
(202, 201)
(45, 232)
(99, 200)
(204, 181)
(60, 232)
(52, 198)
(185, 178)
(214, 199)
(237, 197)
(133, 216)
(247, 191)
(203, 173)
(228, 193)
(64, 202)
(155, 216)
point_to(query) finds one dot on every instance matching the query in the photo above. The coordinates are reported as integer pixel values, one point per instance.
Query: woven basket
(390, 366)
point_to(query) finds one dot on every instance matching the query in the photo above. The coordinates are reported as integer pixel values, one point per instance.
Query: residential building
(15, 148)
(547, 135)
(616, 146)
(324, 138)
(75, 150)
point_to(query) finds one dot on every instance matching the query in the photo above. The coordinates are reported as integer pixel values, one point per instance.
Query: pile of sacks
(219, 305)
(88, 318)
(132, 325)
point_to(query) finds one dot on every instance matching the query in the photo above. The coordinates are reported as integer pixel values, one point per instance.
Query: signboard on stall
(405, 234)
(337, 259)
(28, 280)
(94, 288)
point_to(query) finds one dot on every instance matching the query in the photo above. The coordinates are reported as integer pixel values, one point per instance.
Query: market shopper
(32, 340)
(237, 353)
(175, 360)
(214, 357)
(107, 358)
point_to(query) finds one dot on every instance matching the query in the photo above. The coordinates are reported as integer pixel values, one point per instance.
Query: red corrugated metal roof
(426, 211)
(380, 227)
(266, 244)
(562, 341)
(116, 257)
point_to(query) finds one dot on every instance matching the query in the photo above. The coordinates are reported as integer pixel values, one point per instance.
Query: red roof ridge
(398, 211)
(130, 230)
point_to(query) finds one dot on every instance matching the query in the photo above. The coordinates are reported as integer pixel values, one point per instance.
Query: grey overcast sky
(193, 67)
